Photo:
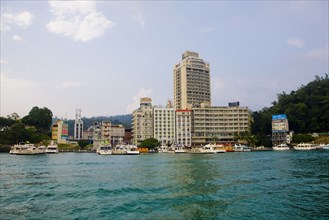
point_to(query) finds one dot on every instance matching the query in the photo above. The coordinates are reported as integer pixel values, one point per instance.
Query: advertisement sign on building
(279, 123)
(65, 131)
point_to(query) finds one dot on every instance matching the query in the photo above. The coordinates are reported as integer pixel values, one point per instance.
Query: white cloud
(139, 17)
(295, 42)
(22, 19)
(78, 20)
(66, 85)
(136, 99)
(17, 38)
(13, 83)
(318, 54)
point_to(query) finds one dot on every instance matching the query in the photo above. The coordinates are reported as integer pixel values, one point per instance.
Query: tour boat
(52, 148)
(26, 149)
(281, 147)
(241, 148)
(120, 149)
(132, 150)
(305, 146)
(105, 150)
(163, 149)
(209, 149)
(179, 150)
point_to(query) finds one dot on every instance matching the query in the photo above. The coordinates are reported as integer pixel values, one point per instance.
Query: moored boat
(241, 148)
(305, 146)
(179, 150)
(52, 148)
(132, 150)
(281, 147)
(26, 149)
(105, 150)
(120, 149)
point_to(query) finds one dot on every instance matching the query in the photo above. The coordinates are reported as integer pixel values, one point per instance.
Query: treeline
(307, 109)
(35, 127)
(125, 120)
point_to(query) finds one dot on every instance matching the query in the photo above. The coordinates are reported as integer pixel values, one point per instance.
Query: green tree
(5, 123)
(150, 143)
(40, 118)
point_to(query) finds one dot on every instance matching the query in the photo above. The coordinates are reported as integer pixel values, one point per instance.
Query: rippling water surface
(250, 185)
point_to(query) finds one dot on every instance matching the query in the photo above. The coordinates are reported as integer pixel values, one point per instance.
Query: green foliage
(40, 118)
(34, 127)
(150, 143)
(302, 138)
(83, 143)
(307, 109)
(68, 147)
(5, 123)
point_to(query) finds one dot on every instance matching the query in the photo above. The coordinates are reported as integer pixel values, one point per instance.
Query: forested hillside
(307, 109)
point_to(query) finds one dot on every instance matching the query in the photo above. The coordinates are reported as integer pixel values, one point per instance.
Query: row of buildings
(190, 120)
(99, 133)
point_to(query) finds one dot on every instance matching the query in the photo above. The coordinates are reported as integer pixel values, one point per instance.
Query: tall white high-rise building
(191, 82)
(78, 125)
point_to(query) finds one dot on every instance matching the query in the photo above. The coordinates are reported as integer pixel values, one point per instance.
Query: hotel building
(164, 124)
(219, 123)
(191, 82)
(142, 125)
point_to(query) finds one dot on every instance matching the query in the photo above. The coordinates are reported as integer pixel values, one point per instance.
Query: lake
(246, 185)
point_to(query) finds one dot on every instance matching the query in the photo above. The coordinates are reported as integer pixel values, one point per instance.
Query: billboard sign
(279, 123)
(279, 117)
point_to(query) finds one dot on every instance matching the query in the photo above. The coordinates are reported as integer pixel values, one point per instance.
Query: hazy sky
(102, 56)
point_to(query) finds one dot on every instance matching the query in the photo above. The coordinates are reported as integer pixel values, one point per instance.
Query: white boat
(105, 150)
(281, 147)
(179, 150)
(26, 149)
(52, 148)
(241, 148)
(163, 149)
(132, 150)
(325, 147)
(214, 148)
(305, 146)
(120, 149)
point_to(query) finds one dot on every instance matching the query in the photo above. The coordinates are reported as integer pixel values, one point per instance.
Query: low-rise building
(117, 134)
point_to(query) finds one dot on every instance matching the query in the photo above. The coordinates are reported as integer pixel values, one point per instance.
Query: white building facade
(164, 124)
(183, 128)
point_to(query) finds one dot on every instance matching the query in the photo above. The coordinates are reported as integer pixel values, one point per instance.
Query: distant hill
(125, 120)
(307, 109)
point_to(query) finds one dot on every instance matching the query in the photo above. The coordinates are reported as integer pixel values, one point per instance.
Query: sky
(102, 56)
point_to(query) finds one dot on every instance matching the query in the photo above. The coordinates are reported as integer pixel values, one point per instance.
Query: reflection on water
(274, 185)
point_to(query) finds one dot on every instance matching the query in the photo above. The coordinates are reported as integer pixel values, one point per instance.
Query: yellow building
(59, 132)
